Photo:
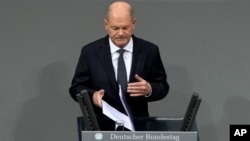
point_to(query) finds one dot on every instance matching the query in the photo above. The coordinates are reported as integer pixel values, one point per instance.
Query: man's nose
(120, 32)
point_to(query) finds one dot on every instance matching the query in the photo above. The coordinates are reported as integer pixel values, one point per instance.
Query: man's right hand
(97, 98)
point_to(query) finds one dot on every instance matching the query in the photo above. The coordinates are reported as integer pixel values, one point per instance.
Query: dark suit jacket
(95, 71)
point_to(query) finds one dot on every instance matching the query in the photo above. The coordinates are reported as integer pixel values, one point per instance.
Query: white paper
(114, 114)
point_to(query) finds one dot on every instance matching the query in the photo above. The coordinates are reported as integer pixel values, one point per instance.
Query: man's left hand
(140, 88)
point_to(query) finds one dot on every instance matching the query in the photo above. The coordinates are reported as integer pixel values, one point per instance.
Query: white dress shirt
(127, 56)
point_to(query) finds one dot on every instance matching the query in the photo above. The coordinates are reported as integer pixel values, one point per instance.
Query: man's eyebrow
(120, 27)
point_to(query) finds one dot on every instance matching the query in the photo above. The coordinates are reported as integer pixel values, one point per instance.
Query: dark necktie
(121, 72)
(122, 81)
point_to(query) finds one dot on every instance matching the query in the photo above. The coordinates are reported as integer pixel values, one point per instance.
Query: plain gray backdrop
(204, 46)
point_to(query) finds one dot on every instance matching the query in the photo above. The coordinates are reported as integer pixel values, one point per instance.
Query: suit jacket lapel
(106, 61)
(136, 58)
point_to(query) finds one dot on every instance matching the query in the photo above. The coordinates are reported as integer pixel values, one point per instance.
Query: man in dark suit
(97, 72)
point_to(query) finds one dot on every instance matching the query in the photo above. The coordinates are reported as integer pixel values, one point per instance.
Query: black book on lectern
(89, 116)
(191, 112)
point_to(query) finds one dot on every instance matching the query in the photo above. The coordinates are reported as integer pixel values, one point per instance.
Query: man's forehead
(120, 24)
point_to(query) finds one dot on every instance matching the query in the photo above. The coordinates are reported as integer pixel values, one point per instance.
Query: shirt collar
(128, 47)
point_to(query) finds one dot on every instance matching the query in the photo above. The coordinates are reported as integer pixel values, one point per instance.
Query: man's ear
(106, 23)
(134, 20)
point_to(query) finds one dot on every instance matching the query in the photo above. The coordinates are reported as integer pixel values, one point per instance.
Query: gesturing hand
(140, 88)
(97, 98)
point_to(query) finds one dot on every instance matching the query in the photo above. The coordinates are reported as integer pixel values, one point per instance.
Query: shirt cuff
(148, 95)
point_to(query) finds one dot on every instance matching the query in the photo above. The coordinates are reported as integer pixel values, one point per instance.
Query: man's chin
(121, 43)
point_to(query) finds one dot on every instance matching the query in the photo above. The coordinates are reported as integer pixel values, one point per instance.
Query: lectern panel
(138, 136)
(147, 126)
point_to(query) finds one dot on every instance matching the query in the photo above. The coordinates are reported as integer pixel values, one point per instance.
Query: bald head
(120, 9)
(120, 23)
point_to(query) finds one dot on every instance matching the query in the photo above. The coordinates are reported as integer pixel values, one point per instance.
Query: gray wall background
(204, 45)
